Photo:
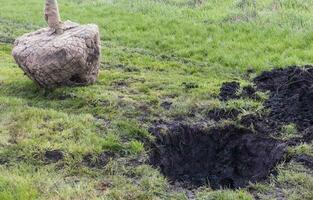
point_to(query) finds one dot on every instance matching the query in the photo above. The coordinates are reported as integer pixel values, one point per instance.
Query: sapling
(52, 16)
(63, 54)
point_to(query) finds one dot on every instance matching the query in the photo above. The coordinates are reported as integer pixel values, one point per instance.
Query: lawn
(153, 52)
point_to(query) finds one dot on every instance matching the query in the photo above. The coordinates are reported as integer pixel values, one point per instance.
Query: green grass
(157, 49)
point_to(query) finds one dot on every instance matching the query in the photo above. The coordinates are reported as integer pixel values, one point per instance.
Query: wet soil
(218, 114)
(261, 124)
(291, 94)
(229, 90)
(228, 157)
(232, 156)
(250, 92)
(306, 160)
(54, 155)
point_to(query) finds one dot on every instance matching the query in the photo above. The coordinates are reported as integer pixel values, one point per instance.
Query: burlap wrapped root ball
(53, 60)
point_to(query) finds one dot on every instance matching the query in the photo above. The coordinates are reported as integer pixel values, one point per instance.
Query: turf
(153, 51)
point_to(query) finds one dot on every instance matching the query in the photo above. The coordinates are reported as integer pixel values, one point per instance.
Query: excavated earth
(233, 156)
(224, 157)
(291, 94)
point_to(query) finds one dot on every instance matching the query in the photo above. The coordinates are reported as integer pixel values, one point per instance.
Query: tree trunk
(52, 16)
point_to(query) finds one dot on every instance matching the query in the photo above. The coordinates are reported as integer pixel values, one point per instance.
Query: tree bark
(52, 16)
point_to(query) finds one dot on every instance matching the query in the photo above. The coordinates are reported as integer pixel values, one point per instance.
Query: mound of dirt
(234, 156)
(261, 124)
(229, 90)
(291, 94)
(250, 92)
(222, 157)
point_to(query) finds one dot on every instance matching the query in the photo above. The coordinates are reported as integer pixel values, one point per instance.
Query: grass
(153, 51)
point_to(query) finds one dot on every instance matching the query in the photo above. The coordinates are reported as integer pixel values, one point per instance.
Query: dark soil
(308, 134)
(233, 156)
(306, 160)
(218, 114)
(229, 90)
(54, 155)
(261, 124)
(223, 157)
(166, 105)
(249, 92)
(291, 94)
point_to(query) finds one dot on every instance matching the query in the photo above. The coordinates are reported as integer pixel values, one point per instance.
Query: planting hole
(228, 157)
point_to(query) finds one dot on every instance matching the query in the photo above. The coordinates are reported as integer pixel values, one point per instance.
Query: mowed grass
(153, 51)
